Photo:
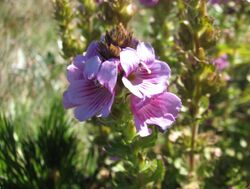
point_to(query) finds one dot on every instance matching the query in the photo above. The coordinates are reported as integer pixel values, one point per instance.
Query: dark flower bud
(119, 36)
(186, 35)
(209, 37)
(115, 40)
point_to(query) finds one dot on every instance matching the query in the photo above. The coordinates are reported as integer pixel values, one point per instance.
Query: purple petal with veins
(160, 110)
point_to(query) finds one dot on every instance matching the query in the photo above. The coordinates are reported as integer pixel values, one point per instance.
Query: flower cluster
(115, 64)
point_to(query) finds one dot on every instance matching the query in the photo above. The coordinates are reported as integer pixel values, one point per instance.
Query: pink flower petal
(129, 60)
(141, 128)
(133, 89)
(160, 110)
(148, 89)
(145, 52)
(149, 83)
(163, 122)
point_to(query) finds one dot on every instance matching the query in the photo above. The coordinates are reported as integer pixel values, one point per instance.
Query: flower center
(146, 67)
(97, 84)
(132, 76)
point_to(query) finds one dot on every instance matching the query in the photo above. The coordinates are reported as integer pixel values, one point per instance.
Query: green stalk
(194, 108)
(195, 129)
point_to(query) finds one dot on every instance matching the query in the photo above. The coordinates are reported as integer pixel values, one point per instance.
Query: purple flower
(149, 3)
(144, 75)
(92, 84)
(221, 62)
(160, 110)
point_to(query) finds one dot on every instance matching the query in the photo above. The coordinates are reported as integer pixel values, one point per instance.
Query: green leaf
(203, 105)
(145, 142)
(152, 171)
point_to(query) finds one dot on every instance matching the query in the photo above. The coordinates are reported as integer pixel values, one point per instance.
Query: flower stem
(195, 124)
(195, 128)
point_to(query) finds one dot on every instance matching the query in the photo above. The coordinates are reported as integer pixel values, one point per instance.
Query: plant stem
(195, 124)
(195, 128)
